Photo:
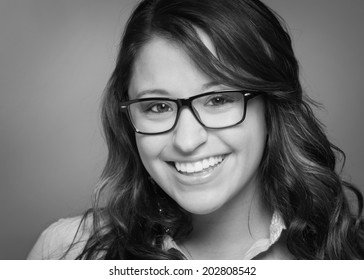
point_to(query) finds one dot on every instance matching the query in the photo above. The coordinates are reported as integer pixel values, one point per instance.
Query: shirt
(54, 241)
(259, 246)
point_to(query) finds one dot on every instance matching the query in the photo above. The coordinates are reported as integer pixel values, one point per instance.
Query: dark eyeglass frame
(187, 102)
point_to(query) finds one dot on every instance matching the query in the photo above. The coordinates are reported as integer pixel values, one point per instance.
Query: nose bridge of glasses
(189, 132)
(187, 103)
(184, 102)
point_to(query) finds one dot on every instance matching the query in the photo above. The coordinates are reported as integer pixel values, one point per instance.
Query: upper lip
(193, 160)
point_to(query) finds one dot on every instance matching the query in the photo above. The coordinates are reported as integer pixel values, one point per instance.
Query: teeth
(198, 166)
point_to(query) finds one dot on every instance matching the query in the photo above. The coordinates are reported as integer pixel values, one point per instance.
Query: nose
(189, 134)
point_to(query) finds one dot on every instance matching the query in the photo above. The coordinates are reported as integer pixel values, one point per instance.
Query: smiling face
(201, 169)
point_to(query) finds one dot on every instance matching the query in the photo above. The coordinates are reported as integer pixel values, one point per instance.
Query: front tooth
(190, 168)
(198, 166)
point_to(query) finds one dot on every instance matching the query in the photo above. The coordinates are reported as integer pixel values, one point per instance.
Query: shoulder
(55, 240)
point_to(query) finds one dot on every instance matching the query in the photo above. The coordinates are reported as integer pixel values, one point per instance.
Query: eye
(159, 108)
(219, 100)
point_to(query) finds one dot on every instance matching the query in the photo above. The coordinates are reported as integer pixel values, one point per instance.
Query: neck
(229, 232)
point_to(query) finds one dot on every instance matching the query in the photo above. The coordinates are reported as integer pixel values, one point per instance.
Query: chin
(200, 208)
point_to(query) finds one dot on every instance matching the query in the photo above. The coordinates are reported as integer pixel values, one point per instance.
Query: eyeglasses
(213, 110)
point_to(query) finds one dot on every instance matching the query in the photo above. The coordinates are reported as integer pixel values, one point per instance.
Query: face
(231, 155)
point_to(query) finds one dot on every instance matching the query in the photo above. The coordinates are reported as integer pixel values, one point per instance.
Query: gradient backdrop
(55, 59)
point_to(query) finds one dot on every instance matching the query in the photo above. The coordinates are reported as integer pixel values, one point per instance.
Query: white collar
(261, 245)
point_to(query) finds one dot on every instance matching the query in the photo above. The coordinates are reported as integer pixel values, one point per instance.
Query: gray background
(55, 59)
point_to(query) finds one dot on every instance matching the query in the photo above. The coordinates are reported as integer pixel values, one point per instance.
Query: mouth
(197, 167)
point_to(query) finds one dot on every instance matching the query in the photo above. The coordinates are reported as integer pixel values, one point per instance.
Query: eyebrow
(163, 92)
(152, 91)
(210, 85)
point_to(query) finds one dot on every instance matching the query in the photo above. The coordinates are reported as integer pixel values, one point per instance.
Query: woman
(214, 152)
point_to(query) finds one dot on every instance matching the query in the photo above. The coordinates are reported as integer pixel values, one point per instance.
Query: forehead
(162, 63)
(160, 56)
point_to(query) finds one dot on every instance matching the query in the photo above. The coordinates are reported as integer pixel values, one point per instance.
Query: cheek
(149, 148)
(249, 138)
(247, 149)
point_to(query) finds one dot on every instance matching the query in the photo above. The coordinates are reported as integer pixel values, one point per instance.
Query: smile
(203, 165)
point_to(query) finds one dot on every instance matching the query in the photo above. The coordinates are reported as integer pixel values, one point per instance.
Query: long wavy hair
(254, 52)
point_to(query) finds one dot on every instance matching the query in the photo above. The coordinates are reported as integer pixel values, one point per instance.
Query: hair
(298, 168)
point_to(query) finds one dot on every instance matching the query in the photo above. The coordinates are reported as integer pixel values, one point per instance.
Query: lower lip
(199, 178)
